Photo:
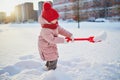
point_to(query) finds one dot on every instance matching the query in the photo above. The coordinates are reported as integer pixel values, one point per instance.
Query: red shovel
(93, 39)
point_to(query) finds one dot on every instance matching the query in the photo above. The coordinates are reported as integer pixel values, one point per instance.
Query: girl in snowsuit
(48, 37)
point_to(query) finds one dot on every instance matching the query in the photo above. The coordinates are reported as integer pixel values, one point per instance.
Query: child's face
(54, 21)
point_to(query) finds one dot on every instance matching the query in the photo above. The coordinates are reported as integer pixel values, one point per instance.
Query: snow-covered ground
(81, 60)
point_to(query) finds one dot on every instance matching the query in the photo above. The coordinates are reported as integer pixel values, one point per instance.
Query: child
(48, 37)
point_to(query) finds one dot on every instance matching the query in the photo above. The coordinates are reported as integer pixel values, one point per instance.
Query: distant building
(40, 4)
(109, 9)
(68, 9)
(18, 13)
(2, 17)
(24, 12)
(35, 15)
(12, 17)
(27, 12)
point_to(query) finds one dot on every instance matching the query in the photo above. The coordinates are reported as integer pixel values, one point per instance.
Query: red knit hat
(49, 13)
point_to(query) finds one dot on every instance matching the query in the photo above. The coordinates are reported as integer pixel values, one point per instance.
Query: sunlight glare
(7, 6)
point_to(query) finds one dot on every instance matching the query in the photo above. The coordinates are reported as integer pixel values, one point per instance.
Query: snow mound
(100, 37)
(54, 75)
(5, 76)
(31, 74)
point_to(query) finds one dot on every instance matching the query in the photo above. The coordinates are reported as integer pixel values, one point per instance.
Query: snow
(100, 37)
(79, 60)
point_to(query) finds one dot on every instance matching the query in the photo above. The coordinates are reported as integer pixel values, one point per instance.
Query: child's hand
(67, 39)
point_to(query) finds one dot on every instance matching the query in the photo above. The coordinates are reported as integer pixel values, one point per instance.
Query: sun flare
(7, 7)
(8, 11)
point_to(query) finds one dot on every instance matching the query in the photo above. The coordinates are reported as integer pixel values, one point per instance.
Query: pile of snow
(100, 37)
(5, 76)
(54, 75)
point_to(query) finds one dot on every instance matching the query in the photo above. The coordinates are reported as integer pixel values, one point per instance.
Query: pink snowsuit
(48, 39)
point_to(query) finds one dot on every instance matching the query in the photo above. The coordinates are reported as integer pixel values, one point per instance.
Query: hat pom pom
(47, 6)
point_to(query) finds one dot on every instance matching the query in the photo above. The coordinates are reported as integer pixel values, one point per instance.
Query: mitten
(68, 39)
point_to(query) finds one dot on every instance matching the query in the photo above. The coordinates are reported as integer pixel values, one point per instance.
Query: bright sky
(8, 5)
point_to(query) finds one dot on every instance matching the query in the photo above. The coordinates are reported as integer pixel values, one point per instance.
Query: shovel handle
(90, 39)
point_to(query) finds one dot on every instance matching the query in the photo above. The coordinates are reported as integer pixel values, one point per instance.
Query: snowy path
(19, 58)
